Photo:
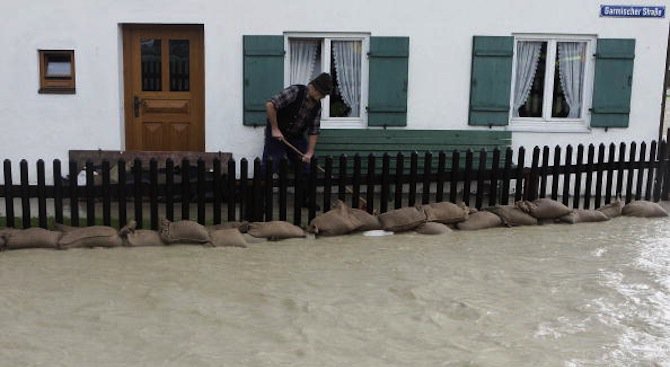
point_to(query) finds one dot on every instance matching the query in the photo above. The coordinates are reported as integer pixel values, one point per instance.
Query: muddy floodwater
(554, 295)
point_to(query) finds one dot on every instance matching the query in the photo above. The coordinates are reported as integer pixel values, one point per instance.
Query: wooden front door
(164, 87)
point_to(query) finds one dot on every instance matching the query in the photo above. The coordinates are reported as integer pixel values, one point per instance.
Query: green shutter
(263, 75)
(613, 82)
(387, 99)
(491, 79)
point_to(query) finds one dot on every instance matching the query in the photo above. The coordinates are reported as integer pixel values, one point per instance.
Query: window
(57, 71)
(343, 57)
(552, 78)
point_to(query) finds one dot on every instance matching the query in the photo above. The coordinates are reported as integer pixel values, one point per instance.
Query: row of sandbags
(442, 217)
(231, 234)
(433, 218)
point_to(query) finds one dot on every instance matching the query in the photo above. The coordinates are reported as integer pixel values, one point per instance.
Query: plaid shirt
(303, 122)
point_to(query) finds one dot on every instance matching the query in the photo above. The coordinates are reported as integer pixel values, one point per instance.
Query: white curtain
(527, 57)
(571, 68)
(347, 55)
(303, 57)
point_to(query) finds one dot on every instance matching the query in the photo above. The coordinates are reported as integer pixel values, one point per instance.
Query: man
(291, 114)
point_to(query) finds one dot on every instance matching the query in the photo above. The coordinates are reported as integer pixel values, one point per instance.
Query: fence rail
(585, 177)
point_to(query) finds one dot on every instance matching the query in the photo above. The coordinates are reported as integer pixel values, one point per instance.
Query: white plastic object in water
(377, 233)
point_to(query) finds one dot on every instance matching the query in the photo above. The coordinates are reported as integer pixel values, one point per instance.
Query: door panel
(164, 87)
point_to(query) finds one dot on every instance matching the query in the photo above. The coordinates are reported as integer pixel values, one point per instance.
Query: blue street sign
(628, 11)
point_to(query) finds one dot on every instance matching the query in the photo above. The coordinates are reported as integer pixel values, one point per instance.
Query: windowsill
(344, 123)
(56, 91)
(542, 126)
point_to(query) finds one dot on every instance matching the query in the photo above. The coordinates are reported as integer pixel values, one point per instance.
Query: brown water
(559, 295)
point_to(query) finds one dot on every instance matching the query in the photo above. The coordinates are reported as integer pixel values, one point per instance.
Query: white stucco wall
(47, 126)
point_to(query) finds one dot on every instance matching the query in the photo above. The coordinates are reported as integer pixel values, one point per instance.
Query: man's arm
(271, 112)
(311, 145)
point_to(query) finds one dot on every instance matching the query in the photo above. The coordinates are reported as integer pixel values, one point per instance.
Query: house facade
(193, 75)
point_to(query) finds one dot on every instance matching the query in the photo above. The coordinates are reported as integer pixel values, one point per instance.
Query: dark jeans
(277, 150)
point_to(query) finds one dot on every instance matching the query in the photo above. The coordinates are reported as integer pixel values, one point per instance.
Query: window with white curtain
(552, 79)
(343, 57)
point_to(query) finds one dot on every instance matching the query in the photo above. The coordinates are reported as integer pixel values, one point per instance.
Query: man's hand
(276, 133)
(307, 157)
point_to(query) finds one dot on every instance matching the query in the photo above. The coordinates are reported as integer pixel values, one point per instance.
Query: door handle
(137, 102)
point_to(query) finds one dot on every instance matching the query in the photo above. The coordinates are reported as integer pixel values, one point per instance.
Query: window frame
(546, 123)
(326, 39)
(64, 85)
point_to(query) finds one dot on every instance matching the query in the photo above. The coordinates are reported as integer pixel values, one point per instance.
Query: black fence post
(137, 194)
(269, 187)
(507, 171)
(106, 194)
(90, 194)
(185, 189)
(589, 176)
(313, 171)
(327, 184)
(544, 171)
(201, 191)
(74, 200)
(283, 197)
(648, 192)
(555, 173)
(153, 194)
(495, 168)
(121, 194)
(600, 166)
(441, 170)
(385, 189)
(413, 168)
(630, 171)
(481, 171)
(356, 182)
(399, 181)
(256, 203)
(532, 185)
(9, 193)
(217, 191)
(231, 197)
(370, 187)
(567, 175)
(578, 177)
(425, 185)
(58, 192)
(455, 175)
(620, 169)
(41, 195)
(342, 179)
(467, 177)
(169, 189)
(640, 170)
(25, 194)
(610, 173)
(243, 189)
(520, 170)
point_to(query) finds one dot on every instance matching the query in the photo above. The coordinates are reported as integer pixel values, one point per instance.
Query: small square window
(57, 71)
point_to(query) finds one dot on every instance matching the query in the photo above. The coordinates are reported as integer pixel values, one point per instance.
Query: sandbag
(229, 237)
(584, 216)
(31, 238)
(335, 222)
(446, 212)
(612, 210)
(243, 226)
(644, 209)
(543, 208)
(183, 231)
(403, 219)
(480, 220)
(433, 228)
(3, 237)
(143, 238)
(369, 221)
(94, 236)
(275, 230)
(512, 216)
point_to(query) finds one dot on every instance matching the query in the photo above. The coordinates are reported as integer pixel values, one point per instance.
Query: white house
(192, 75)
